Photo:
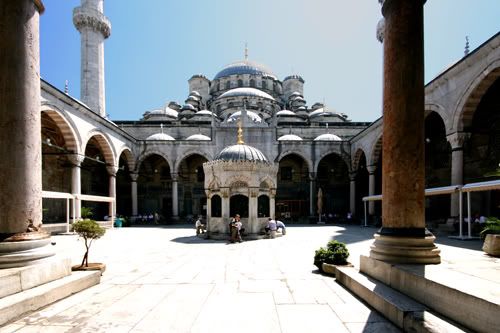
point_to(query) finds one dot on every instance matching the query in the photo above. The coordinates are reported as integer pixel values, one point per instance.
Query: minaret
(94, 28)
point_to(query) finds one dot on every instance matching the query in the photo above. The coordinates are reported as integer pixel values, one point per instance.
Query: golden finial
(240, 134)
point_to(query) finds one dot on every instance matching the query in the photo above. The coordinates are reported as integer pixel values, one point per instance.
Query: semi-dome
(289, 137)
(246, 92)
(160, 137)
(206, 113)
(198, 137)
(245, 67)
(322, 112)
(328, 137)
(285, 113)
(252, 116)
(241, 152)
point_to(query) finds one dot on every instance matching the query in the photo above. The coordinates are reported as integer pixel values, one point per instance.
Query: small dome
(160, 114)
(241, 153)
(294, 77)
(205, 113)
(198, 137)
(246, 92)
(290, 137)
(285, 113)
(328, 137)
(188, 107)
(171, 113)
(160, 137)
(195, 93)
(321, 112)
(252, 116)
(245, 67)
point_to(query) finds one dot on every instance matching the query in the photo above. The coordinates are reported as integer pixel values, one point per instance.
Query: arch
(299, 154)
(105, 145)
(343, 157)
(187, 154)
(149, 153)
(357, 158)
(433, 107)
(467, 104)
(376, 151)
(129, 157)
(267, 181)
(263, 205)
(71, 138)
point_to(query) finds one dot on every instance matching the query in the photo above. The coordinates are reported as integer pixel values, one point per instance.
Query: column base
(24, 253)
(405, 250)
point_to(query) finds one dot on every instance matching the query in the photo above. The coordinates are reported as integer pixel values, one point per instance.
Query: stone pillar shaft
(272, 206)
(352, 196)
(133, 189)
(403, 237)
(312, 191)
(175, 199)
(456, 141)
(403, 145)
(76, 184)
(20, 148)
(371, 187)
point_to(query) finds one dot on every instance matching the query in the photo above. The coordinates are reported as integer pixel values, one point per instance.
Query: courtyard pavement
(164, 279)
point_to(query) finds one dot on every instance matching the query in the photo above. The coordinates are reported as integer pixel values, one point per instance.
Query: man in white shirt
(200, 227)
(271, 228)
(281, 225)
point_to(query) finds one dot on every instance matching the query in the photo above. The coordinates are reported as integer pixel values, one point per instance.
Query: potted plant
(335, 253)
(89, 230)
(491, 236)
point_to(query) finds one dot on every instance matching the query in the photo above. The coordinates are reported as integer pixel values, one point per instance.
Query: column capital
(39, 5)
(312, 176)
(134, 176)
(174, 176)
(457, 139)
(371, 169)
(352, 176)
(112, 170)
(76, 159)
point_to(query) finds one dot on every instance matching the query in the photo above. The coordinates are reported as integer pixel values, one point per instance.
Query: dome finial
(240, 134)
(246, 51)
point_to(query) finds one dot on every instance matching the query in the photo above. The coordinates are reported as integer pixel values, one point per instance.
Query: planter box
(492, 245)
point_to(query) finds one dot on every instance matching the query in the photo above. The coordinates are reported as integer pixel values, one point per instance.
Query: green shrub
(335, 253)
(88, 230)
(492, 227)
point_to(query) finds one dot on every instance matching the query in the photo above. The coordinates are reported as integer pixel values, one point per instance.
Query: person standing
(234, 228)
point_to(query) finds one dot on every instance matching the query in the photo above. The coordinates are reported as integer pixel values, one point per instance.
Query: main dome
(245, 67)
(241, 153)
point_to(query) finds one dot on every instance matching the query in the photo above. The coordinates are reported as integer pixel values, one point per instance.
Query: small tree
(88, 230)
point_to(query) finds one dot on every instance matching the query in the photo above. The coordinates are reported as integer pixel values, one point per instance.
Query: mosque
(184, 158)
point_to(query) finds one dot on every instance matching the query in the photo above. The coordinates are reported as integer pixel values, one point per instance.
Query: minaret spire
(466, 51)
(94, 28)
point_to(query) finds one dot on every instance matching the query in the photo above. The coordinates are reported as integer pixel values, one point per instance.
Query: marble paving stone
(309, 318)
(357, 313)
(372, 328)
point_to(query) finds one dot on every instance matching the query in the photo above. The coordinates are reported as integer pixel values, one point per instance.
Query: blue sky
(157, 45)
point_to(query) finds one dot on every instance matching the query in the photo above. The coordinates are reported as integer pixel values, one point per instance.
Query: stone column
(403, 237)
(76, 182)
(94, 28)
(252, 209)
(352, 193)
(312, 192)
(456, 141)
(225, 209)
(272, 203)
(133, 188)
(20, 140)
(371, 187)
(112, 170)
(175, 197)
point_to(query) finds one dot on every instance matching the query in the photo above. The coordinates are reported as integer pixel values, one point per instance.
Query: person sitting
(200, 227)
(281, 225)
(271, 228)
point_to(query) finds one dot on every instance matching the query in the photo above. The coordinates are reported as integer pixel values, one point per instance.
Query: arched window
(238, 204)
(252, 83)
(240, 83)
(216, 204)
(228, 84)
(263, 206)
(264, 84)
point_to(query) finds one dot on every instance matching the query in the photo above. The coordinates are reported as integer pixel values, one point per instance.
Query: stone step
(18, 304)
(14, 280)
(469, 301)
(401, 310)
